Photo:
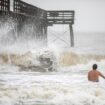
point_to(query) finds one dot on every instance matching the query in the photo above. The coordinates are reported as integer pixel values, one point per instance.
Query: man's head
(94, 66)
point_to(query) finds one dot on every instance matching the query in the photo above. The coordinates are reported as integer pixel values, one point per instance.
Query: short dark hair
(94, 66)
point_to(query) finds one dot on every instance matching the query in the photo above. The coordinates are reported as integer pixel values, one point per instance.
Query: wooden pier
(24, 13)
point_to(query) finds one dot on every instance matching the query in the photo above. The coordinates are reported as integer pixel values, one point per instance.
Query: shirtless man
(93, 75)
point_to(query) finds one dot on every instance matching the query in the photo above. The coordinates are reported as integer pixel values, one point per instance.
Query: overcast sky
(89, 14)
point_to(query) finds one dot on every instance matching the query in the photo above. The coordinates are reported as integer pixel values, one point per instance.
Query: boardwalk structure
(24, 13)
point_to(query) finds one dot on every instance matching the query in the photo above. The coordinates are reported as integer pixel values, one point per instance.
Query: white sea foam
(50, 88)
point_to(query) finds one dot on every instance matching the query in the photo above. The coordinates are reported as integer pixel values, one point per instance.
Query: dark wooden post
(71, 35)
(40, 32)
(45, 34)
(8, 6)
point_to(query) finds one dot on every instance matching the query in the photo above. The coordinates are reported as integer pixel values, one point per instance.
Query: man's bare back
(93, 75)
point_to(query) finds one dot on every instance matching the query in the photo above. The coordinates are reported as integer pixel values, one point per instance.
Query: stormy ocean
(24, 82)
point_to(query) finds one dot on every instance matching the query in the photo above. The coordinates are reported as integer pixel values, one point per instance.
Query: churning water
(67, 85)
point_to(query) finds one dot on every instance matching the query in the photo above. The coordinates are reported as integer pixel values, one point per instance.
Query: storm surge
(20, 84)
(31, 74)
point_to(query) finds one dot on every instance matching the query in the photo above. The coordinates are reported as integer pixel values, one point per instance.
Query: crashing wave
(45, 61)
(72, 58)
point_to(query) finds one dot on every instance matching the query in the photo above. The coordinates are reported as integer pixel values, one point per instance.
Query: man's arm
(101, 75)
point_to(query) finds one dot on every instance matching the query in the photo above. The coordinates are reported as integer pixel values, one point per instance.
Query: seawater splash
(7, 32)
(13, 37)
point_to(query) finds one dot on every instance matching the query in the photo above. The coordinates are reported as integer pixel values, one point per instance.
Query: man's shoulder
(90, 71)
(99, 72)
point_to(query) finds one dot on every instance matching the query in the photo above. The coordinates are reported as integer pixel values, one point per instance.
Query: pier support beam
(71, 36)
(45, 34)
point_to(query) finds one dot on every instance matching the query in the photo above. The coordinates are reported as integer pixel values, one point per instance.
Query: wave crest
(71, 58)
